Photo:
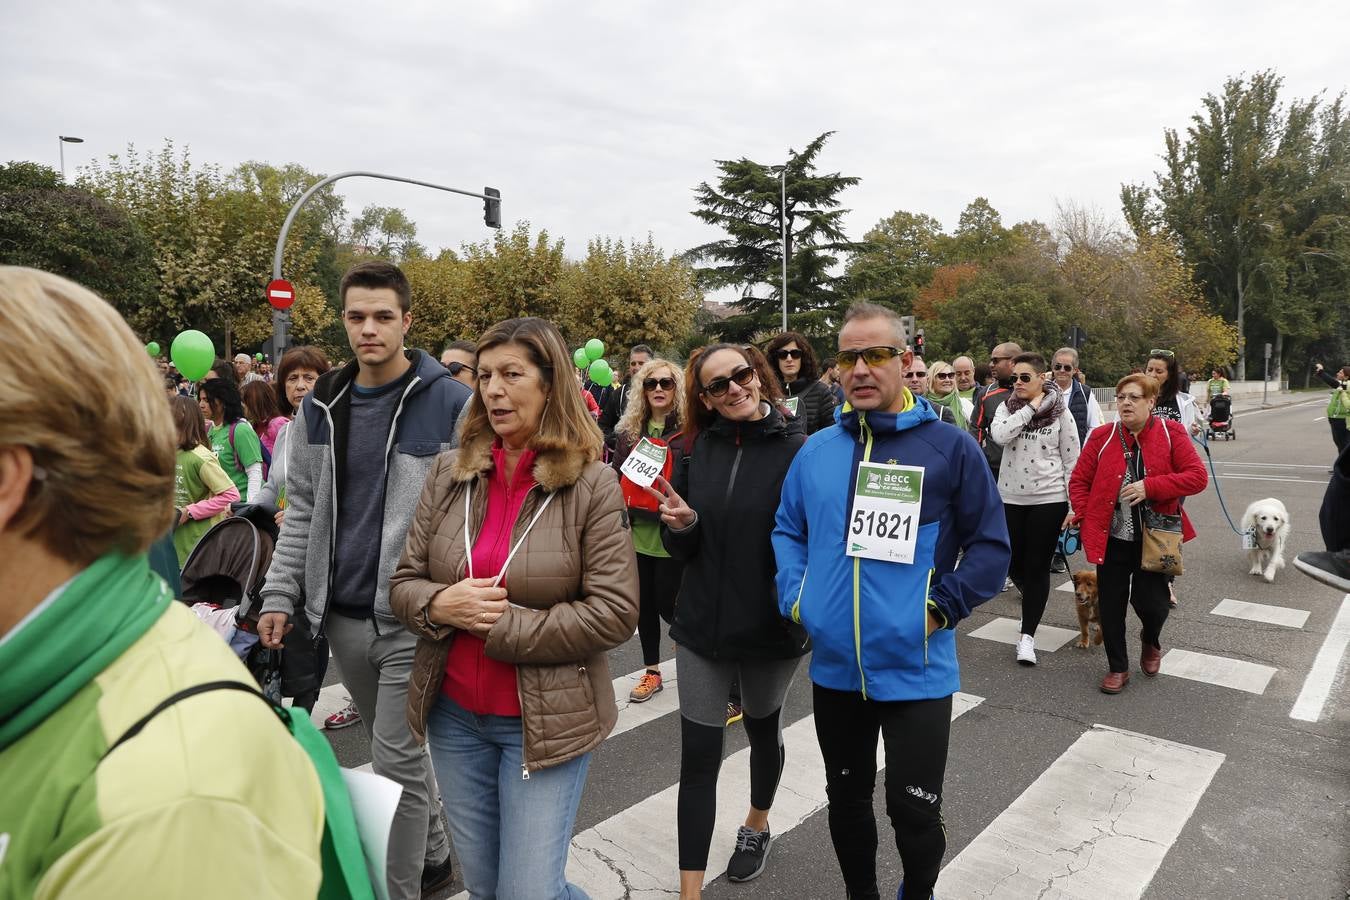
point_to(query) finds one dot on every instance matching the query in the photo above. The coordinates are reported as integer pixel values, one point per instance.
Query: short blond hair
(638, 410)
(84, 397)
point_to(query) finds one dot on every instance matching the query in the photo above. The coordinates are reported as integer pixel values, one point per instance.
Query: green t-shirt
(1216, 387)
(647, 532)
(197, 475)
(967, 395)
(250, 452)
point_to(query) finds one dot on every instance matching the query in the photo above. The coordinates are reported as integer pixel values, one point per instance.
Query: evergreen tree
(746, 204)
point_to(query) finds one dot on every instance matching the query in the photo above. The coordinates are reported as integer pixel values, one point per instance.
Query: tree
(898, 257)
(627, 296)
(45, 224)
(386, 232)
(980, 235)
(746, 204)
(1254, 195)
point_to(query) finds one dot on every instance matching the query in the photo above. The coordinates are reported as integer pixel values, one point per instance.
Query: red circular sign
(280, 293)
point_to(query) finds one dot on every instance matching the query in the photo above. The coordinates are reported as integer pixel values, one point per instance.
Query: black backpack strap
(192, 692)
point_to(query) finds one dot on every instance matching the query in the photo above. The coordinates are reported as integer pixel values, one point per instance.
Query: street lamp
(782, 230)
(66, 139)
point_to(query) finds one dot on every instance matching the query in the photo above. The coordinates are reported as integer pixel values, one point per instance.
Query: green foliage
(898, 257)
(47, 225)
(746, 204)
(1254, 193)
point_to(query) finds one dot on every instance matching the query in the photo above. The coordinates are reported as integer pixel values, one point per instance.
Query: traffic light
(907, 322)
(918, 343)
(492, 208)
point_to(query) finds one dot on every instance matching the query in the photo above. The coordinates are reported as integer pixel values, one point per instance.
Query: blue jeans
(511, 833)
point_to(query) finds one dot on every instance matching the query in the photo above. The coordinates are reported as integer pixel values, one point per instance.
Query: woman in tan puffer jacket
(518, 575)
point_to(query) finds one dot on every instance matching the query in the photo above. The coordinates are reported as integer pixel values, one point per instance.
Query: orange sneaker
(649, 684)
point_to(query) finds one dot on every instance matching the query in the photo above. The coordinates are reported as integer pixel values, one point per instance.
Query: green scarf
(101, 613)
(952, 400)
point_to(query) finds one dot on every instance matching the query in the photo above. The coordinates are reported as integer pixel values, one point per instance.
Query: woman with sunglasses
(798, 372)
(1040, 448)
(656, 413)
(717, 513)
(1173, 403)
(942, 393)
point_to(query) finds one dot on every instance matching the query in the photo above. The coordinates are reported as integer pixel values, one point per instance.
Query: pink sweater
(479, 684)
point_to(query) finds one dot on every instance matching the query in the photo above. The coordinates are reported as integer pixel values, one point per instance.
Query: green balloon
(595, 348)
(580, 358)
(192, 353)
(258, 357)
(601, 373)
(152, 348)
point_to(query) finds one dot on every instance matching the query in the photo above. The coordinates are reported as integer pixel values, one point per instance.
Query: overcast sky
(599, 119)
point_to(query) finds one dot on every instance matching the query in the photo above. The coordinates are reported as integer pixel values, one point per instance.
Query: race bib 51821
(885, 521)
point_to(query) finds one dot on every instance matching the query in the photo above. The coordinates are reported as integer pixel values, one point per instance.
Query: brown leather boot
(1115, 682)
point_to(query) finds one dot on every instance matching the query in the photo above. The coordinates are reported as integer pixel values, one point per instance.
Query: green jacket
(213, 799)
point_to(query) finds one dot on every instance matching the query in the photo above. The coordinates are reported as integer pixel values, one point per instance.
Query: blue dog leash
(1203, 441)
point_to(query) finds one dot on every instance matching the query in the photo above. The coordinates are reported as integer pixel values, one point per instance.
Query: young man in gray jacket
(358, 453)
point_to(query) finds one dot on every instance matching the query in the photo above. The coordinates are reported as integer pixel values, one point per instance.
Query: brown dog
(1085, 602)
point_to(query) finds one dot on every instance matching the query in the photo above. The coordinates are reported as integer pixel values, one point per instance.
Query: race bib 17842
(644, 463)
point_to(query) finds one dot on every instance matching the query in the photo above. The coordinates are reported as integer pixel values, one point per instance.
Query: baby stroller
(222, 583)
(1221, 419)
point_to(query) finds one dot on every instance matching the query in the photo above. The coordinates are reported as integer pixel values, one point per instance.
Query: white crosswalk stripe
(1261, 612)
(1237, 674)
(1097, 823)
(1006, 631)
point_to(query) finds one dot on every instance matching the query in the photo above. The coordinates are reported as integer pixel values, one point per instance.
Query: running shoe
(734, 713)
(1332, 569)
(1026, 650)
(750, 855)
(649, 684)
(342, 718)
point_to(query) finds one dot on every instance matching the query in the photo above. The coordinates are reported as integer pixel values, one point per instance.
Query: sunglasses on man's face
(456, 367)
(719, 386)
(916, 374)
(1025, 377)
(873, 356)
(788, 354)
(1063, 367)
(651, 384)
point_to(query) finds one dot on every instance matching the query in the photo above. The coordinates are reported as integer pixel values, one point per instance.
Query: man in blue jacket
(875, 510)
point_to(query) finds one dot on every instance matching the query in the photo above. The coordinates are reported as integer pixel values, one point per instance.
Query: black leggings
(1121, 584)
(916, 734)
(658, 585)
(1034, 531)
(700, 761)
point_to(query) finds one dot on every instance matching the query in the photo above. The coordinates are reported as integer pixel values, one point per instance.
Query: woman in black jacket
(798, 373)
(717, 517)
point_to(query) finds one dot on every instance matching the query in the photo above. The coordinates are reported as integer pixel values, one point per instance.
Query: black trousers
(916, 734)
(1033, 532)
(1340, 434)
(658, 585)
(1121, 583)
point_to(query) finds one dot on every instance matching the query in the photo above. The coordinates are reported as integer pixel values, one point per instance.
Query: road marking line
(1269, 478)
(1252, 465)
(331, 699)
(1066, 586)
(1261, 612)
(633, 852)
(1007, 631)
(1322, 677)
(1097, 823)
(1237, 674)
(631, 715)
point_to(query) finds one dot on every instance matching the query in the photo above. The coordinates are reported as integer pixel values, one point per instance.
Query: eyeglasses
(788, 354)
(1129, 398)
(1165, 354)
(456, 367)
(1063, 367)
(945, 376)
(651, 384)
(873, 356)
(719, 386)
(916, 374)
(1024, 377)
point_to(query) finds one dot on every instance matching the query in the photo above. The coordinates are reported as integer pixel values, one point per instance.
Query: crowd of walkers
(469, 536)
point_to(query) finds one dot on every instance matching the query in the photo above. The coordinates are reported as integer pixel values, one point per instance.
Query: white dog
(1268, 521)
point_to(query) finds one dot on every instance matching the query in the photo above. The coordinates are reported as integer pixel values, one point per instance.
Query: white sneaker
(1026, 650)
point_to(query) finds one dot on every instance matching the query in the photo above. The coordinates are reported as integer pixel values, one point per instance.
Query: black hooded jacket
(732, 476)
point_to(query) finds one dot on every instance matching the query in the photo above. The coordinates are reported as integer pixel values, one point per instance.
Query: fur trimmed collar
(553, 469)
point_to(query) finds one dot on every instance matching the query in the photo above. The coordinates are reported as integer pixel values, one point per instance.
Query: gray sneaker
(750, 855)
(1331, 569)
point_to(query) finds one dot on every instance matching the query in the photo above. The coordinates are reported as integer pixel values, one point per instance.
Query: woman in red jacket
(1140, 458)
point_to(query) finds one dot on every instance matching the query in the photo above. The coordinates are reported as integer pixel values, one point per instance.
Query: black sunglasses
(788, 354)
(651, 384)
(945, 376)
(1024, 377)
(873, 356)
(456, 367)
(719, 386)
(916, 374)
(1063, 367)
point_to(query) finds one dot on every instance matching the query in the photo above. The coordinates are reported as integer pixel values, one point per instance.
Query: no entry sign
(280, 293)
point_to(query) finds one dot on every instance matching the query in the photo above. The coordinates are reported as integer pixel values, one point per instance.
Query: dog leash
(1203, 441)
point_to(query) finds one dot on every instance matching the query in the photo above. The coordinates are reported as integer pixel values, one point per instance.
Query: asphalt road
(1220, 792)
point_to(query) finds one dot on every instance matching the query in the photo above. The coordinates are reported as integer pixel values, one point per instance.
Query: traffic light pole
(280, 318)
